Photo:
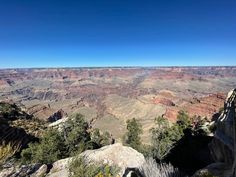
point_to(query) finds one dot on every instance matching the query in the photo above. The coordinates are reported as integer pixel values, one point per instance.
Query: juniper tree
(132, 137)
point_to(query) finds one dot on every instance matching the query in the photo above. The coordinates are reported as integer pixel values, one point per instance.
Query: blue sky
(56, 33)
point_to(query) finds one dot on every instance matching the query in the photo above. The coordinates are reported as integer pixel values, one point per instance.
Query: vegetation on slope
(73, 138)
(33, 127)
(164, 135)
(79, 167)
(101, 138)
(11, 112)
(7, 151)
(132, 137)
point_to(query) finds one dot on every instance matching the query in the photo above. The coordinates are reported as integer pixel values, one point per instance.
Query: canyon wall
(223, 145)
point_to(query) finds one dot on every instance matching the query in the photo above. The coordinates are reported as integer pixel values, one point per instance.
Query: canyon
(108, 97)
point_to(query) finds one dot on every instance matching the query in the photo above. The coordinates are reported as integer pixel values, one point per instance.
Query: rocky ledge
(223, 145)
(126, 158)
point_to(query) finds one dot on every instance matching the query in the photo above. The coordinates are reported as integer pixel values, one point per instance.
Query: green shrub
(100, 139)
(164, 135)
(183, 120)
(54, 145)
(33, 127)
(132, 137)
(146, 150)
(80, 167)
(12, 112)
(76, 135)
(49, 149)
(162, 138)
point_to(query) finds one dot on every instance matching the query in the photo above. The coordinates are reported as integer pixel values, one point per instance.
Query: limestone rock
(223, 145)
(7, 172)
(59, 123)
(57, 116)
(24, 170)
(124, 157)
(60, 168)
(41, 171)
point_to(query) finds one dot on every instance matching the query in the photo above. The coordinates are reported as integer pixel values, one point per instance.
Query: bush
(163, 138)
(152, 169)
(183, 120)
(164, 135)
(32, 127)
(49, 149)
(76, 135)
(12, 112)
(100, 139)
(146, 150)
(80, 167)
(132, 137)
(54, 145)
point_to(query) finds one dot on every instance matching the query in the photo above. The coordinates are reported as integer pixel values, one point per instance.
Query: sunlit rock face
(223, 145)
(126, 158)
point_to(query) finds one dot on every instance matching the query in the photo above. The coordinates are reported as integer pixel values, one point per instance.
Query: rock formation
(57, 115)
(223, 145)
(126, 158)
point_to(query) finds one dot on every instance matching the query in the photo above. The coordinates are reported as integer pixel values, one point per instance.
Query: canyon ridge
(108, 97)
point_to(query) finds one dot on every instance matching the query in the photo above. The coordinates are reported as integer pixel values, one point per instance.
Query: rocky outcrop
(57, 115)
(126, 158)
(204, 106)
(33, 170)
(60, 168)
(223, 145)
(163, 101)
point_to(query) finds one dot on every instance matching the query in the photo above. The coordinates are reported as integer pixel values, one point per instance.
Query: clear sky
(66, 33)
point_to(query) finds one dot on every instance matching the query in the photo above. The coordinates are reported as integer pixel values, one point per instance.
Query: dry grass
(153, 169)
(7, 151)
(33, 127)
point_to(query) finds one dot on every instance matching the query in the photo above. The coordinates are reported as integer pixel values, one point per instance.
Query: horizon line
(117, 67)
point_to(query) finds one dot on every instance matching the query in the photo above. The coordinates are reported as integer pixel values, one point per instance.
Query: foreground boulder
(32, 170)
(126, 158)
(60, 168)
(223, 145)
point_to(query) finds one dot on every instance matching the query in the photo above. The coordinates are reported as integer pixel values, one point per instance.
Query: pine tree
(132, 137)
